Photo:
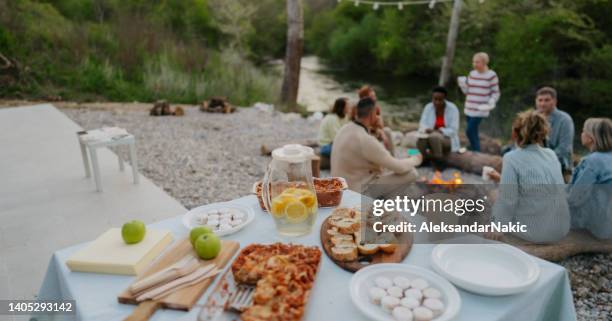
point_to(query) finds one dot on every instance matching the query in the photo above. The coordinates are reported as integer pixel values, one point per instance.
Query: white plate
(489, 269)
(189, 217)
(363, 280)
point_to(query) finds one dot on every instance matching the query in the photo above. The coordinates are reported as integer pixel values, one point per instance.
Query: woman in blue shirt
(531, 190)
(591, 185)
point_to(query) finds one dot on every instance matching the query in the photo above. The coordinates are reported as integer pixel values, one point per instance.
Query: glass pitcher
(288, 191)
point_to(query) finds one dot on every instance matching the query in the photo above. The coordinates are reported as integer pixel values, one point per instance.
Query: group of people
(532, 186)
(362, 151)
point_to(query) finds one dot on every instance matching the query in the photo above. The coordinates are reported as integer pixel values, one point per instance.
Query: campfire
(437, 179)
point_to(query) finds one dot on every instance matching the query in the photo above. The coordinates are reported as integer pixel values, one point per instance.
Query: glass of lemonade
(288, 191)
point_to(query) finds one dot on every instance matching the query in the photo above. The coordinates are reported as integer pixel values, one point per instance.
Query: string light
(399, 4)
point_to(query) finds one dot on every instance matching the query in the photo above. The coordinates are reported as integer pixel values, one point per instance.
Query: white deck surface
(46, 203)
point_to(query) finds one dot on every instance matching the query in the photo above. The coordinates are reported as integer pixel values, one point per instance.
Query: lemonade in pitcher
(288, 191)
(294, 210)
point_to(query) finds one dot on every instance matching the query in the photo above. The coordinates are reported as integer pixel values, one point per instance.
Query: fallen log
(162, 108)
(488, 145)
(576, 242)
(217, 105)
(10, 71)
(473, 161)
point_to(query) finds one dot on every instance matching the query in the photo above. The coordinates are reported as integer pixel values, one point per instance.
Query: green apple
(208, 246)
(133, 231)
(197, 231)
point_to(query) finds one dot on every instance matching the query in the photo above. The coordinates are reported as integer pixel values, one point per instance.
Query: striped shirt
(481, 89)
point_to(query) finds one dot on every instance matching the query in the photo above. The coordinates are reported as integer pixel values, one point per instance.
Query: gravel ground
(204, 158)
(201, 158)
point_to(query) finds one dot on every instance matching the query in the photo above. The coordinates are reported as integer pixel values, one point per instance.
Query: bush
(126, 50)
(226, 74)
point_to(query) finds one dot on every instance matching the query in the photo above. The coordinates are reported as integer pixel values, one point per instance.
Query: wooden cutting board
(404, 245)
(182, 299)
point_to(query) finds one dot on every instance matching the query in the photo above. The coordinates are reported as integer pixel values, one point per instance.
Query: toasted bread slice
(346, 213)
(343, 212)
(345, 225)
(388, 248)
(368, 249)
(342, 238)
(345, 244)
(345, 253)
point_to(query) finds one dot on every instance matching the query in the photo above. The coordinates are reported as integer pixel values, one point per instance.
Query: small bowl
(325, 198)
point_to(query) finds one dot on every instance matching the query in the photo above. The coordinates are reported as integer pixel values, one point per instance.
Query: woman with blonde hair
(591, 186)
(531, 188)
(481, 89)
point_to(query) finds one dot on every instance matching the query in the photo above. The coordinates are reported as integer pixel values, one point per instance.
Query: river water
(321, 84)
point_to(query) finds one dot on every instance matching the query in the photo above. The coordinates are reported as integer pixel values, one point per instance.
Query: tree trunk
(293, 55)
(453, 31)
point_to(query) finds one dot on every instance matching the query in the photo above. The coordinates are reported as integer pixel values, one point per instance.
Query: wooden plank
(183, 299)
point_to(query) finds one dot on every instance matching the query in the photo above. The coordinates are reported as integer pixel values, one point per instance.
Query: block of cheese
(109, 254)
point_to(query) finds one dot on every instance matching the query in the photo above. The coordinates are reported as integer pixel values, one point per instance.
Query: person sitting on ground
(331, 123)
(591, 185)
(361, 159)
(481, 89)
(440, 120)
(382, 133)
(561, 136)
(531, 188)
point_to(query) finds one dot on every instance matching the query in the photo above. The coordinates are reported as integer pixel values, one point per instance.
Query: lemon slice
(296, 212)
(278, 206)
(308, 200)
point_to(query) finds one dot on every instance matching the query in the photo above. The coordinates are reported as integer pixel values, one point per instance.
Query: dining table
(95, 295)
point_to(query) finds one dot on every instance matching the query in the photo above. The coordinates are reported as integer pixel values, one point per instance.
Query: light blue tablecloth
(96, 294)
